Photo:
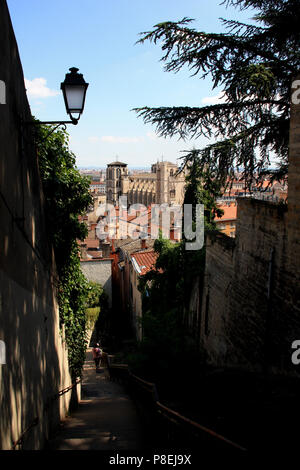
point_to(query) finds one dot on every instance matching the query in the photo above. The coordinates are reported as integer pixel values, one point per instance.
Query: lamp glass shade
(74, 90)
(75, 96)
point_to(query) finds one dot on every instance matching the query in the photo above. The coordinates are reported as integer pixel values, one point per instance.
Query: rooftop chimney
(83, 251)
(105, 248)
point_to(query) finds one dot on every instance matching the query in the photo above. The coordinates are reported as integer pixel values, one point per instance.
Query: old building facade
(162, 185)
(114, 175)
(130, 259)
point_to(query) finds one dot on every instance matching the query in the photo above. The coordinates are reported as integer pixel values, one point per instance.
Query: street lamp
(74, 90)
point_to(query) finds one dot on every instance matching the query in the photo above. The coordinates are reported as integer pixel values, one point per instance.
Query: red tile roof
(97, 183)
(230, 212)
(146, 260)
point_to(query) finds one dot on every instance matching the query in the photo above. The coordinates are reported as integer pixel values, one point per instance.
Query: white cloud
(120, 140)
(152, 135)
(217, 99)
(93, 139)
(114, 139)
(37, 88)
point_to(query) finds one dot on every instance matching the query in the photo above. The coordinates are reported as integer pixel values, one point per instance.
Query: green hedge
(92, 315)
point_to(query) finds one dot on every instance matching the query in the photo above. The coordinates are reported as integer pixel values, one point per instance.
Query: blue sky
(99, 38)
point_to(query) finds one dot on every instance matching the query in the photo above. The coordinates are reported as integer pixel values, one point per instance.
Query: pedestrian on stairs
(97, 353)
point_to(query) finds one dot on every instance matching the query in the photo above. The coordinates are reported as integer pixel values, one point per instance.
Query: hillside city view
(150, 230)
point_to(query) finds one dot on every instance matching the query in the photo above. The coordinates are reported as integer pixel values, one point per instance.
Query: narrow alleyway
(106, 418)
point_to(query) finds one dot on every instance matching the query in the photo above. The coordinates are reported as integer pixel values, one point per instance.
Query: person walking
(97, 353)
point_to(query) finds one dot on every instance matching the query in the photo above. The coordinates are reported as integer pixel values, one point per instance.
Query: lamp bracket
(59, 123)
(56, 124)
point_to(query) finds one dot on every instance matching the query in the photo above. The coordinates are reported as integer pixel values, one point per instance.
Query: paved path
(105, 420)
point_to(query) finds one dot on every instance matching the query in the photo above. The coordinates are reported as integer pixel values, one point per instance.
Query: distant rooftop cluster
(266, 190)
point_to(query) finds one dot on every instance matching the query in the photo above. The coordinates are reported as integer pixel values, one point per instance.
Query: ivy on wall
(67, 197)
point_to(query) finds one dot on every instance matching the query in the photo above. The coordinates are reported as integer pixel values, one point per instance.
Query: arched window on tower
(172, 193)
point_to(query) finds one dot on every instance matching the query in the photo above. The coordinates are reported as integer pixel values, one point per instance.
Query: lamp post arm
(59, 123)
(56, 124)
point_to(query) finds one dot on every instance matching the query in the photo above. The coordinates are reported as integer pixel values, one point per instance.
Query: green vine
(67, 197)
(95, 303)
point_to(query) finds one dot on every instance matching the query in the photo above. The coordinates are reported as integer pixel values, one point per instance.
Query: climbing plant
(202, 188)
(167, 289)
(166, 292)
(66, 197)
(96, 303)
(95, 294)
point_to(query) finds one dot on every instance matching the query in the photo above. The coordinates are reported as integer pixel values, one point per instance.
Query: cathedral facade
(162, 185)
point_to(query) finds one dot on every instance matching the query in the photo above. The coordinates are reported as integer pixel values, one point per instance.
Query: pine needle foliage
(254, 64)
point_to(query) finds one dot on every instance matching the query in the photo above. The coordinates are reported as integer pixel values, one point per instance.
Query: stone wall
(215, 299)
(247, 316)
(250, 310)
(99, 270)
(293, 216)
(36, 366)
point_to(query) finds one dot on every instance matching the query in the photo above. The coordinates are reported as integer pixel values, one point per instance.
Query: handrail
(169, 413)
(150, 384)
(36, 420)
(33, 423)
(199, 426)
(119, 366)
(141, 380)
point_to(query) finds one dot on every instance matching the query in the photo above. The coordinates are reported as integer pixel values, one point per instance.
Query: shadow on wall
(32, 375)
(36, 362)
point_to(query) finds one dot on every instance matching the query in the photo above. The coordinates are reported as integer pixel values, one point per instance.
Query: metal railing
(168, 423)
(37, 420)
